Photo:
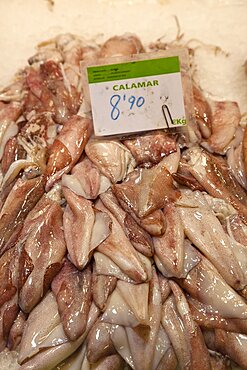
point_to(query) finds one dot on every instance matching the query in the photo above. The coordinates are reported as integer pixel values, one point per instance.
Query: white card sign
(136, 96)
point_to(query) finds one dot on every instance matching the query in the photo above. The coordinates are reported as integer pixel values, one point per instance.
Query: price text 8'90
(116, 100)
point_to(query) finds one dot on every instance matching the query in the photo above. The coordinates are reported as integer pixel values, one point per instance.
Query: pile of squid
(123, 253)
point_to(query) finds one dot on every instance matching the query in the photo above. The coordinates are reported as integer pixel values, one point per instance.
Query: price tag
(136, 96)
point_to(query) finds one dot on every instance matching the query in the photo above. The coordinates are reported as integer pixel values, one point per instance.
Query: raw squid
(206, 285)
(237, 229)
(198, 353)
(235, 162)
(16, 331)
(121, 344)
(164, 355)
(219, 362)
(45, 55)
(137, 229)
(9, 113)
(154, 223)
(54, 352)
(15, 91)
(42, 248)
(142, 340)
(245, 150)
(169, 248)
(125, 252)
(99, 343)
(171, 162)
(112, 158)
(102, 287)
(8, 292)
(20, 201)
(212, 320)
(203, 113)
(204, 230)
(184, 177)
(12, 151)
(119, 312)
(37, 332)
(75, 361)
(113, 362)
(84, 228)
(168, 361)
(28, 150)
(225, 120)
(230, 344)
(119, 249)
(212, 173)
(147, 190)
(74, 49)
(140, 239)
(72, 289)
(165, 288)
(47, 92)
(191, 259)
(149, 149)
(176, 331)
(106, 267)
(67, 148)
(86, 180)
(127, 44)
(184, 333)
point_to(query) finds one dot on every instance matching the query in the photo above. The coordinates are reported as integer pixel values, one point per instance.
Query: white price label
(136, 96)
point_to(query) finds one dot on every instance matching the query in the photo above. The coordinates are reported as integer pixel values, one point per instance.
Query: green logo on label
(135, 69)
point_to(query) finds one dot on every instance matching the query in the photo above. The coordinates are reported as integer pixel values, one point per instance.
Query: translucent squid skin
(245, 150)
(9, 297)
(47, 92)
(124, 252)
(121, 45)
(9, 113)
(203, 113)
(67, 148)
(42, 251)
(73, 293)
(21, 199)
(225, 120)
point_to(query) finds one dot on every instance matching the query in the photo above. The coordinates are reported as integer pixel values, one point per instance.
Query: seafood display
(118, 253)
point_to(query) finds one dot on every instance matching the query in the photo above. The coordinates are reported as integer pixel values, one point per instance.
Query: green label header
(140, 68)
